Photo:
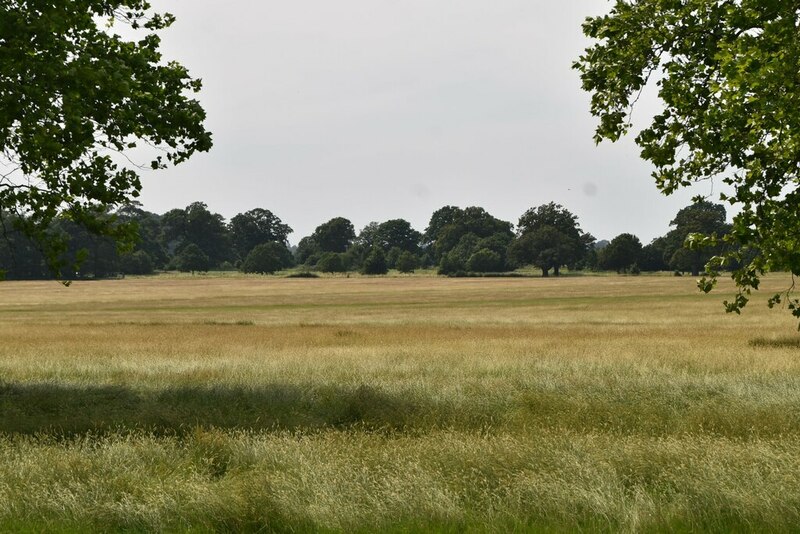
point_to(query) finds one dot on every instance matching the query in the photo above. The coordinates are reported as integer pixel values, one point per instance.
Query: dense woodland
(457, 242)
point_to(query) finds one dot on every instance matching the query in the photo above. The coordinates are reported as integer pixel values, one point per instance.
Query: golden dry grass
(409, 403)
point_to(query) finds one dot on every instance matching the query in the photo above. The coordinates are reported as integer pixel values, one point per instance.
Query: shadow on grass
(778, 343)
(31, 408)
(67, 410)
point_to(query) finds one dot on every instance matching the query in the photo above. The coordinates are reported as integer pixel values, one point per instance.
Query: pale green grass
(405, 404)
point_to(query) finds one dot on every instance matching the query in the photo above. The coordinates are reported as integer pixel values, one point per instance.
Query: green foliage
(267, 258)
(307, 249)
(197, 225)
(485, 261)
(549, 237)
(621, 254)
(652, 256)
(367, 236)
(407, 262)
(727, 78)
(335, 235)
(396, 233)
(375, 263)
(702, 217)
(138, 262)
(254, 227)
(452, 263)
(331, 262)
(392, 255)
(191, 258)
(545, 247)
(450, 224)
(148, 229)
(72, 92)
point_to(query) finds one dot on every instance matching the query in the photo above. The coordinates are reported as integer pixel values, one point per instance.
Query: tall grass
(407, 404)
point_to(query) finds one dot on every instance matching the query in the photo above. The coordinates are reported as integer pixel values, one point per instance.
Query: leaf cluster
(726, 74)
(75, 99)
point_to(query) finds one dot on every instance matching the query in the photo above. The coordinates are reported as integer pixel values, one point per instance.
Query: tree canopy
(701, 217)
(454, 235)
(199, 226)
(266, 258)
(622, 253)
(256, 227)
(549, 237)
(335, 235)
(726, 75)
(75, 98)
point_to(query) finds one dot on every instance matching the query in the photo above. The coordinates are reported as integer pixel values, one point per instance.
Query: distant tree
(331, 262)
(446, 216)
(652, 257)
(191, 258)
(355, 256)
(335, 235)
(20, 257)
(485, 261)
(375, 262)
(148, 232)
(448, 238)
(497, 243)
(197, 225)
(397, 233)
(407, 262)
(556, 240)
(267, 258)
(450, 224)
(452, 263)
(392, 257)
(255, 227)
(87, 254)
(137, 262)
(455, 260)
(701, 217)
(367, 236)
(621, 254)
(307, 251)
(552, 214)
(546, 248)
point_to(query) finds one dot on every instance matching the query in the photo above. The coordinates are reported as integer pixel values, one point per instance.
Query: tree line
(457, 242)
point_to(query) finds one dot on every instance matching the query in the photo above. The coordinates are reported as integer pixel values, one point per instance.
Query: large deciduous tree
(454, 235)
(75, 98)
(726, 72)
(266, 258)
(701, 217)
(549, 237)
(622, 254)
(335, 235)
(197, 225)
(256, 227)
(397, 233)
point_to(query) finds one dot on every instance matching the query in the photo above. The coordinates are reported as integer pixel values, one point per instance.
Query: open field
(409, 403)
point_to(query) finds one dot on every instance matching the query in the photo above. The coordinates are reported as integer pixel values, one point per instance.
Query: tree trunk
(556, 271)
(545, 272)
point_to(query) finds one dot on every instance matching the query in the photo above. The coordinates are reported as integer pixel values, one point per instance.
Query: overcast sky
(378, 109)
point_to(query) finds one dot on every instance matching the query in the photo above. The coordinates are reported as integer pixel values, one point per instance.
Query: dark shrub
(375, 262)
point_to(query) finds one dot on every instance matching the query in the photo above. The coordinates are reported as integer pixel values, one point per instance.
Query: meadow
(408, 403)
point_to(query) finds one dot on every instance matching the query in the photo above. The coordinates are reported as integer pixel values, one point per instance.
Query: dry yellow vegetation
(407, 403)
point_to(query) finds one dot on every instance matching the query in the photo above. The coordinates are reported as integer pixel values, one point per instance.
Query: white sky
(378, 109)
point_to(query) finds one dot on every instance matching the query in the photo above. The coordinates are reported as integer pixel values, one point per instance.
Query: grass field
(396, 404)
